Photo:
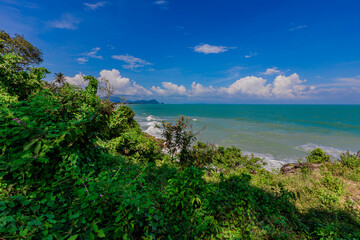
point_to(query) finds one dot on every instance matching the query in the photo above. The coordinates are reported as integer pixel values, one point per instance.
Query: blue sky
(200, 51)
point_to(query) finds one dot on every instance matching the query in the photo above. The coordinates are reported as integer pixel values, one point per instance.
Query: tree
(106, 88)
(18, 45)
(178, 138)
(59, 78)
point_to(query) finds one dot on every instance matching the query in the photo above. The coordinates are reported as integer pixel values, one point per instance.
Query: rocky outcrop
(294, 167)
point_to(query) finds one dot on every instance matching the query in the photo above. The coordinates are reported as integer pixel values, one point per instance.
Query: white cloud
(250, 55)
(248, 86)
(298, 27)
(206, 48)
(169, 89)
(133, 63)
(161, 2)
(122, 85)
(20, 3)
(77, 80)
(272, 71)
(82, 60)
(94, 6)
(353, 81)
(289, 87)
(67, 21)
(92, 54)
(343, 82)
(199, 90)
(283, 87)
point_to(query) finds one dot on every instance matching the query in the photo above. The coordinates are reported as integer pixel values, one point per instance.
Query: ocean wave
(151, 118)
(272, 163)
(148, 125)
(332, 151)
(154, 131)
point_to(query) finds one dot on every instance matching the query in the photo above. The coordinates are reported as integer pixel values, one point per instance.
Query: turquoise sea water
(277, 133)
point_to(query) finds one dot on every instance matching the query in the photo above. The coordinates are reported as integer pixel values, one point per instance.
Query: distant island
(152, 101)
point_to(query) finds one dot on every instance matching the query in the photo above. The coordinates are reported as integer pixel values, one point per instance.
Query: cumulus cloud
(207, 49)
(272, 71)
(122, 85)
(67, 21)
(77, 80)
(133, 63)
(199, 90)
(283, 87)
(289, 87)
(248, 86)
(94, 6)
(169, 89)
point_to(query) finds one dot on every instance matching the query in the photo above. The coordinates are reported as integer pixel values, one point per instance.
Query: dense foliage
(74, 167)
(318, 156)
(30, 55)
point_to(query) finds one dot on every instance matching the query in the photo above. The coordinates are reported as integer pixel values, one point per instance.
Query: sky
(200, 51)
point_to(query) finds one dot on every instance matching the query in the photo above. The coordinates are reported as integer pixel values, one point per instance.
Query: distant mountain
(152, 101)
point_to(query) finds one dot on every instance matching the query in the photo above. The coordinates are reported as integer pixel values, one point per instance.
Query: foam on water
(151, 118)
(332, 151)
(272, 163)
(149, 124)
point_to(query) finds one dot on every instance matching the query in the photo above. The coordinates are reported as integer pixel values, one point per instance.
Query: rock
(294, 167)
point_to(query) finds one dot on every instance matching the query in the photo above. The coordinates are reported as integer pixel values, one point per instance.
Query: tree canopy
(30, 54)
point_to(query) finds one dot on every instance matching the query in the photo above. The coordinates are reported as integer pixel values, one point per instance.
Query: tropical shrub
(317, 156)
(350, 160)
(178, 138)
(73, 167)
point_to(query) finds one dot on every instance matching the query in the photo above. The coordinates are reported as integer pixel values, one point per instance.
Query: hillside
(74, 167)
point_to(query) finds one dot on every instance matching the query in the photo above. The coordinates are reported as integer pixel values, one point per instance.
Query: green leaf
(23, 232)
(35, 208)
(38, 146)
(29, 144)
(118, 218)
(101, 234)
(73, 237)
(95, 227)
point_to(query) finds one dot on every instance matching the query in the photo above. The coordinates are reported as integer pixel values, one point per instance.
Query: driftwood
(294, 167)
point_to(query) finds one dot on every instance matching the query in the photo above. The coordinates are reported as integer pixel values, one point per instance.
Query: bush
(317, 156)
(73, 168)
(178, 138)
(350, 160)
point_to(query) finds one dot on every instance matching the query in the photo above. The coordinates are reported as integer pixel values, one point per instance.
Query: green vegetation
(29, 54)
(74, 167)
(317, 156)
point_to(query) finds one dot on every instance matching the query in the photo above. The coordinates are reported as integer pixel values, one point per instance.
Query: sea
(278, 134)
